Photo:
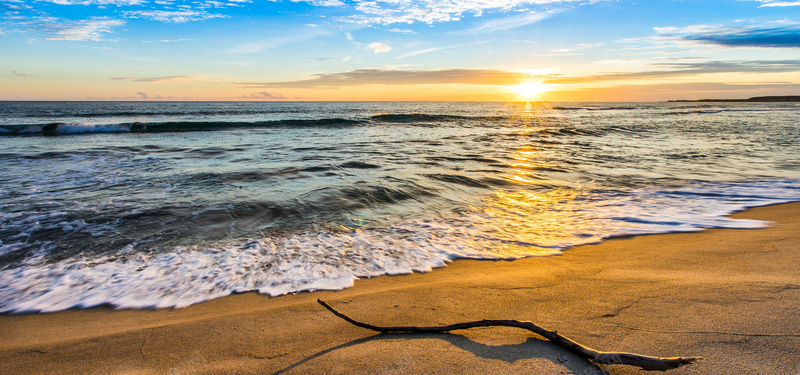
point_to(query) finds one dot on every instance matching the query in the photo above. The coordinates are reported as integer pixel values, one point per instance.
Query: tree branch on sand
(608, 358)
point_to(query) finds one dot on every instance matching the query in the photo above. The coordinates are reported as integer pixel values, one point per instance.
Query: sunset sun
(530, 90)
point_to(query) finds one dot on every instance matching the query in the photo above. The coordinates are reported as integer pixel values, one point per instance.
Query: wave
(593, 108)
(509, 225)
(169, 127)
(102, 114)
(713, 110)
(423, 117)
(66, 128)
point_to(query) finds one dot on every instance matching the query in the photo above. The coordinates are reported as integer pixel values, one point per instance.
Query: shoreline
(729, 295)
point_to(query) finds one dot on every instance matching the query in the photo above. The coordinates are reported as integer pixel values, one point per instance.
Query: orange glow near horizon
(530, 90)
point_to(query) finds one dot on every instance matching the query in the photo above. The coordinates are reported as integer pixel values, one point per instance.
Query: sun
(530, 90)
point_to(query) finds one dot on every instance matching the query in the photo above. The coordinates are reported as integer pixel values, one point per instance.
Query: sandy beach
(730, 296)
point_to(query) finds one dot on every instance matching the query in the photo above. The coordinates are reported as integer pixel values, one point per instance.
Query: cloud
(432, 11)
(98, 2)
(177, 16)
(764, 37)
(378, 47)
(513, 22)
(403, 31)
(687, 69)
(142, 95)
(568, 50)
(263, 95)
(14, 8)
(173, 79)
(401, 77)
(322, 3)
(507, 78)
(90, 29)
(781, 4)
(19, 74)
(434, 49)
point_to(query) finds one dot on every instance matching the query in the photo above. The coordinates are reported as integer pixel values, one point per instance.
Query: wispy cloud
(263, 95)
(402, 31)
(504, 78)
(786, 36)
(22, 16)
(433, 11)
(575, 48)
(91, 29)
(434, 49)
(19, 74)
(26, 16)
(513, 22)
(14, 7)
(401, 77)
(177, 16)
(98, 2)
(780, 4)
(171, 79)
(322, 3)
(683, 69)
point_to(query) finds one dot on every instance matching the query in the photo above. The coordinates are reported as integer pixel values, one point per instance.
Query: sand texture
(731, 296)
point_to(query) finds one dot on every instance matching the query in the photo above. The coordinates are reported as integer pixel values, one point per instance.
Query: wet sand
(731, 296)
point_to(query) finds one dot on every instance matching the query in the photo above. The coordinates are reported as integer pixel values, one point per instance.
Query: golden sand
(731, 296)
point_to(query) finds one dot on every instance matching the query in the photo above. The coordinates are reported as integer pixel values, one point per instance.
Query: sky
(448, 50)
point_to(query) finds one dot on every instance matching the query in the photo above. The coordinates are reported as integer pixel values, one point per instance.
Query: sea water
(167, 204)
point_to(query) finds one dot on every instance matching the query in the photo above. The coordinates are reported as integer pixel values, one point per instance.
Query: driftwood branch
(608, 358)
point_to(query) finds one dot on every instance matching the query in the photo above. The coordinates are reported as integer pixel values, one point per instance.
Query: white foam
(508, 225)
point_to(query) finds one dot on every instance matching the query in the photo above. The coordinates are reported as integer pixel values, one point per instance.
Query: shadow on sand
(531, 348)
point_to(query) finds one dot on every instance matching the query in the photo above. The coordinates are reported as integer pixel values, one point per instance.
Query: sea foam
(507, 225)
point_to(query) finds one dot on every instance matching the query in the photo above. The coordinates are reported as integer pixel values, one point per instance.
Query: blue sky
(397, 50)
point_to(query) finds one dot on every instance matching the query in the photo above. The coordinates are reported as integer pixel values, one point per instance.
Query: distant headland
(795, 98)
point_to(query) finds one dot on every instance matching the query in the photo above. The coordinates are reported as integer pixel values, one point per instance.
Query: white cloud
(183, 79)
(577, 47)
(379, 47)
(428, 50)
(118, 3)
(403, 31)
(507, 23)
(432, 11)
(90, 29)
(781, 4)
(263, 95)
(687, 29)
(322, 3)
(177, 16)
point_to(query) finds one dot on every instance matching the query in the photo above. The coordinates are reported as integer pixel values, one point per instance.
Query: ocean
(168, 204)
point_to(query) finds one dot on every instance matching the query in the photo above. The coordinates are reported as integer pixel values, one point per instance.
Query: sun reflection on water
(539, 215)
